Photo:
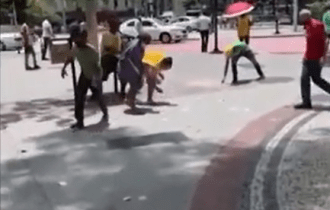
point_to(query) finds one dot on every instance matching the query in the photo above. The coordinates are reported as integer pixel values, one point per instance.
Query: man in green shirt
(326, 21)
(91, 75)
(234, 52)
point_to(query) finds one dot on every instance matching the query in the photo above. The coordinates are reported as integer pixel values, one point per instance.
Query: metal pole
(74, 78)
(295, 15)
(276, 16)
(64, 15)
(215, 16)
(14, 13)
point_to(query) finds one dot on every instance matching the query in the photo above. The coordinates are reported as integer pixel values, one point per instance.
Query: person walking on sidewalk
(47, 34)
(234, 52)
(244, 24)
(204, 25)
(28, 41)
(91, 75)
(314, 56)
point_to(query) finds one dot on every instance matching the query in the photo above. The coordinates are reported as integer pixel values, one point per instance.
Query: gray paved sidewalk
(303, 180)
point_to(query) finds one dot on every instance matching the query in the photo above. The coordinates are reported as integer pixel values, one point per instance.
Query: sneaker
(234, 82)
(261, 78)
(159, 90)
(303, 106)
(28, 68)
(36, 67)
(105, 118)
(77, 126)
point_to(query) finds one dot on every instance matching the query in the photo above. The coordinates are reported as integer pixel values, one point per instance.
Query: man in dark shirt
(314, 58)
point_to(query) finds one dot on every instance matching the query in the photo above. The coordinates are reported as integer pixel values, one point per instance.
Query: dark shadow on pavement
(99, 127)
(83, 170)
(50, 109)
(248, 65)
(140, 111)
(275, 80)
(242, 82)
(321, 98)
(157, 103)
(321, 108)
(138, 141)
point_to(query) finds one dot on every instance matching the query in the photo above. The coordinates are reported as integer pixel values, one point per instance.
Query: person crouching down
(91, 75)
(155, 62)
(234, 52)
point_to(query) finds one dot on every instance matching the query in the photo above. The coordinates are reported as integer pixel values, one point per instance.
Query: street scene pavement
(206, 145)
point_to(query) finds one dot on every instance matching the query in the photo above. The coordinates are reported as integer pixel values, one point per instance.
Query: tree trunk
(92, 22)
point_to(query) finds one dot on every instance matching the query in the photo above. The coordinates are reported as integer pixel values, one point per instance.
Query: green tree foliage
(318, 8)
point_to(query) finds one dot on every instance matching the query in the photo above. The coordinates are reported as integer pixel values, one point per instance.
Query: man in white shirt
(47, 33)
(28, 41)
(204, 24)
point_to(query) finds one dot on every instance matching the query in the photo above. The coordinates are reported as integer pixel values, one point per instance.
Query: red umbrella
(237, 9)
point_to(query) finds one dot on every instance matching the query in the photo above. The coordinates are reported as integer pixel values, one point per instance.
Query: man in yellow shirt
(110, 48)
(244, 24)
(155, 62)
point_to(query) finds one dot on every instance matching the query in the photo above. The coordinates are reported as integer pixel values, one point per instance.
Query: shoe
(261, 78)
(28, 68)
(77, 126)
(151, 102)
(45, 59)
(159, 90)
(105, 118)
(303, 106)
(36, 67)
(234, 82)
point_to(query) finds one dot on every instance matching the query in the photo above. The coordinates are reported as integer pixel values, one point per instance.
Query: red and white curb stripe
(257, 187)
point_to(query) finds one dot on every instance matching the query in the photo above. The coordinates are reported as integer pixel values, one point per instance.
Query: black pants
(205, 40)
(109, 65)
(245, 38)
(250, 56)
(312, 70)
(30, 50)
(44, 49)
(82, 88)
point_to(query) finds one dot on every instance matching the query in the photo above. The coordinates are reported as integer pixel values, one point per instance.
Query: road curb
(225, 184)
(277, 36)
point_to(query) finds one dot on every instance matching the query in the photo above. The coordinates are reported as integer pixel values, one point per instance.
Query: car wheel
(165, 38)
(2, 46)
(189, 29)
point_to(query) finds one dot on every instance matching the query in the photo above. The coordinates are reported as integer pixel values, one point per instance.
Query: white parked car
(10, 41)
(189, 23)
(157, 30)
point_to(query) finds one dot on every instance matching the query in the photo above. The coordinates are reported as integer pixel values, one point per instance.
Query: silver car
(11, 41)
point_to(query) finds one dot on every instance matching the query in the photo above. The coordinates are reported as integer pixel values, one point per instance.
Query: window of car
(147, 23)
(183, 20)
(175, 21)
(131, 24)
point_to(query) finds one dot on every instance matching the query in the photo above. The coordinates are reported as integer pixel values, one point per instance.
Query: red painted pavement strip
(221, 186)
